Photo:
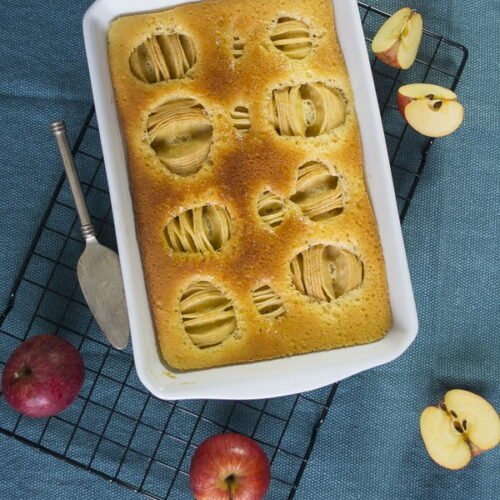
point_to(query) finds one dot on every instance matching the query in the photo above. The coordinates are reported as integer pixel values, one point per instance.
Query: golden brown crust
(240, 166)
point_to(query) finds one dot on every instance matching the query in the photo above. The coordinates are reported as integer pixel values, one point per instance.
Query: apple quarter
(279, 376)
(398, 39)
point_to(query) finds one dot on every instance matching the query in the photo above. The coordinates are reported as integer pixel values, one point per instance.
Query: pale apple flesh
(445, 445)
(431, 110)
(463, 426)
(398, 39)
(477, 417)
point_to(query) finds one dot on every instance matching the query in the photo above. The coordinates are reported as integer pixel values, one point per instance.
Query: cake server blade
(98, 269)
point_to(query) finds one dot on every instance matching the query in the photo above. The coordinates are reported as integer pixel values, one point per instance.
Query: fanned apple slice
(348, 270)
(186, 231)
(186, 158)
(307, 110)
(295, 112)
(174, 54)
(163, 57)
(180, 133)
(323, 205)
(158, 59)
(144, 64)
(297, 268)
(189, 50)
(287, 112)
(292, 37)
(238, 47)
(207, 314)
(316, 281)
(279, 111)
(199, 230)
(398, 39)
(198, 233)
(432, 110)
(318, 192)
(328, 105)
(325, 272)
(271, 209)
(141, 64)
(211, 330)
(268, 302)
(184, 122)
(216, 225)
(240, 117)
(201, 296)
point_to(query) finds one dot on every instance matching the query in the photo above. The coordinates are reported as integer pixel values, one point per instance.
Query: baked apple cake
(255, 228)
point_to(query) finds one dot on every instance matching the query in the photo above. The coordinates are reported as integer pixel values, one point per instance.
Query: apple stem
(23, 372)
(230, 485)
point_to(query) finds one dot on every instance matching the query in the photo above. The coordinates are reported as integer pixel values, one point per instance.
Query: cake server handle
(87, 228)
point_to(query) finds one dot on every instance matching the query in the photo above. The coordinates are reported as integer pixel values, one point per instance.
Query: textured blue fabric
(369, 446)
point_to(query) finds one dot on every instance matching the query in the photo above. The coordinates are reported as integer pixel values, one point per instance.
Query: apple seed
(443, 406)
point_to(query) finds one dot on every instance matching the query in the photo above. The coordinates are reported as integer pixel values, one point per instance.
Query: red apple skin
(402, 102)
(229, 455)
(475, 451)
(390, 56)
(43, 376)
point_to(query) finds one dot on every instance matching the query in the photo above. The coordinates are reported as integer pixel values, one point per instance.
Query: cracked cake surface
(255, 228)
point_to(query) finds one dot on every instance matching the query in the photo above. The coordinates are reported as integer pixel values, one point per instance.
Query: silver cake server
(98, 269)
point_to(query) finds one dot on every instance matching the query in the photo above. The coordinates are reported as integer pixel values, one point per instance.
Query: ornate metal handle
(59, 131)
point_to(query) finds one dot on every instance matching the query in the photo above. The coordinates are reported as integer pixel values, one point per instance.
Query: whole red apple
(229, 467)
(43, 376)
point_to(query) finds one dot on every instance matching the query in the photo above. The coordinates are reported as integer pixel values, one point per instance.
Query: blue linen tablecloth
(369, 446)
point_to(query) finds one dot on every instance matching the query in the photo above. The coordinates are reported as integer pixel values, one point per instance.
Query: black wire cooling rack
(115, 428)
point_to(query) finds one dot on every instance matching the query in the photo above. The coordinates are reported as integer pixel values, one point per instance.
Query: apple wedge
(431, 110)
(398, 39)
(462, 427)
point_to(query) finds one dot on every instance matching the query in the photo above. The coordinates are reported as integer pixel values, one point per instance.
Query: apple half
(398, 39)
(463, 426)
(431, 110)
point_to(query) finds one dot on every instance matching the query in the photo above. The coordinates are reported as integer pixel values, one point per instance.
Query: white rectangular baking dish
(266, 378)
